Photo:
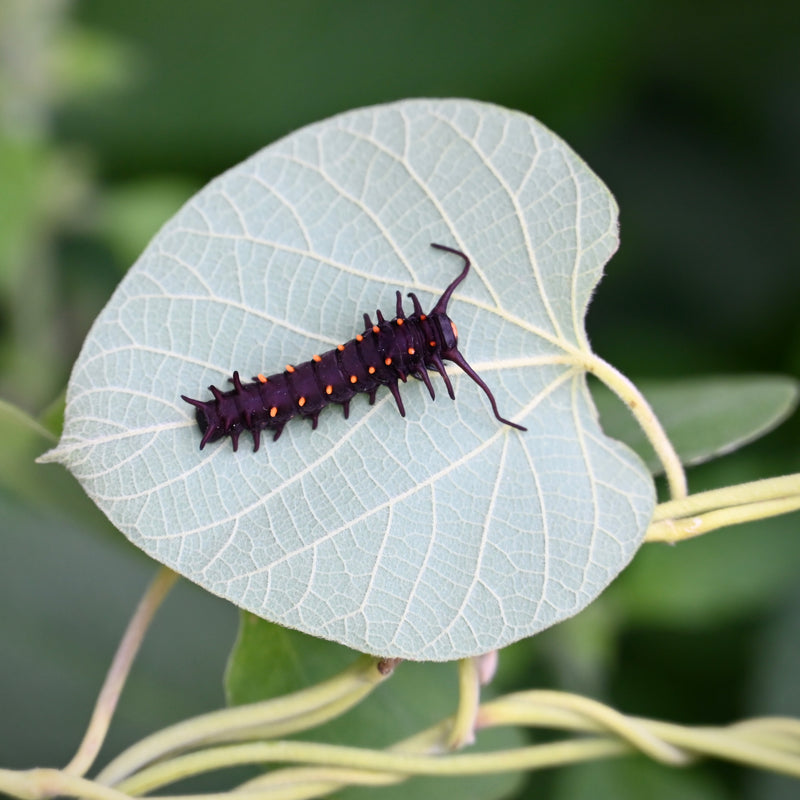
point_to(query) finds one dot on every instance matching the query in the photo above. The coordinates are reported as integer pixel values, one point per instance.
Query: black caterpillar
(382, 354)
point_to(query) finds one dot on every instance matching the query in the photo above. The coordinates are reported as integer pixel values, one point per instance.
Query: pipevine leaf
(436, 536)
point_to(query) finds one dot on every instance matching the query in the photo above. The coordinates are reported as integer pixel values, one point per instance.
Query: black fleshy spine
(386, 352)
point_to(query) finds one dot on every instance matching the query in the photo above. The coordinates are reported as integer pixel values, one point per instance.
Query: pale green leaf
(438, 536)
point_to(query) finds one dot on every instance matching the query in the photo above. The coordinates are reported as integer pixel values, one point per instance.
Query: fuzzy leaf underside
(441, 535)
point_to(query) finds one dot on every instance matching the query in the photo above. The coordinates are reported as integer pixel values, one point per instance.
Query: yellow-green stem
(118, 672)
(707, 511)
(469, 698)
(350, 686)
(44, 784)
(533, 757)
(626, 390)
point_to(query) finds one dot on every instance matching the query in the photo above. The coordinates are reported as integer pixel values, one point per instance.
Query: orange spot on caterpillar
(329, 389)
(399, 321)
(423, 316)
(289, 368)
(432, 343)
(359, 338)
(340, 347)
(353, 379)
(316, 358)
(455, 330)
(376, 329)
(371, 370)
(301, 402)
(387, 361)
(261, 378)
(273, 411)
(411, 351)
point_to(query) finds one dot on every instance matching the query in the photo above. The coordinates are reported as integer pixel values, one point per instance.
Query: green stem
(377, 761)
(643, 413)
(754, 491)
(707, 511)
(469, 698)
(43, 784)
(299, 783)
(582, 714)
(287, 714)
(303, 782)
(118, 672)
(570, 712)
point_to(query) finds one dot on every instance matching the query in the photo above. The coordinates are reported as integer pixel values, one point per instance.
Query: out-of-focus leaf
(703, 417)
(635, 778)
(24, 166)
(713, 578)
(132, 213)
(40, 485)
(23, 439)
(52, 417)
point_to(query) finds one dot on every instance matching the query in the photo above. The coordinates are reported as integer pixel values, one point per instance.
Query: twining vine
(253, 734)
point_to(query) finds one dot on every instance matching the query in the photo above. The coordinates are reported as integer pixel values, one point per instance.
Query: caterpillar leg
(395, 390)
(422, 374)
(417, 305)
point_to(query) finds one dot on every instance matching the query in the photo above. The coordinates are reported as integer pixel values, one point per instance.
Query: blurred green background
(113, 114)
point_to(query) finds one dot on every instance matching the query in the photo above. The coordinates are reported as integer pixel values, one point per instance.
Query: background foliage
(112, 114)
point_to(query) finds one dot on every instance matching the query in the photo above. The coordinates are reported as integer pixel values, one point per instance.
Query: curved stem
(287, 714)
(118, 672)
(645, 416)
(43, 784)
(740, 494)
(469, 698)
(535, 756)
(571, 712)
(578, 713)
(768, 743)
(707, 511)
(676, 530)
(298, 783)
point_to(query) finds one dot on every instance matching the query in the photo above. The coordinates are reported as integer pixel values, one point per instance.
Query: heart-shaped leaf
(438, 536)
